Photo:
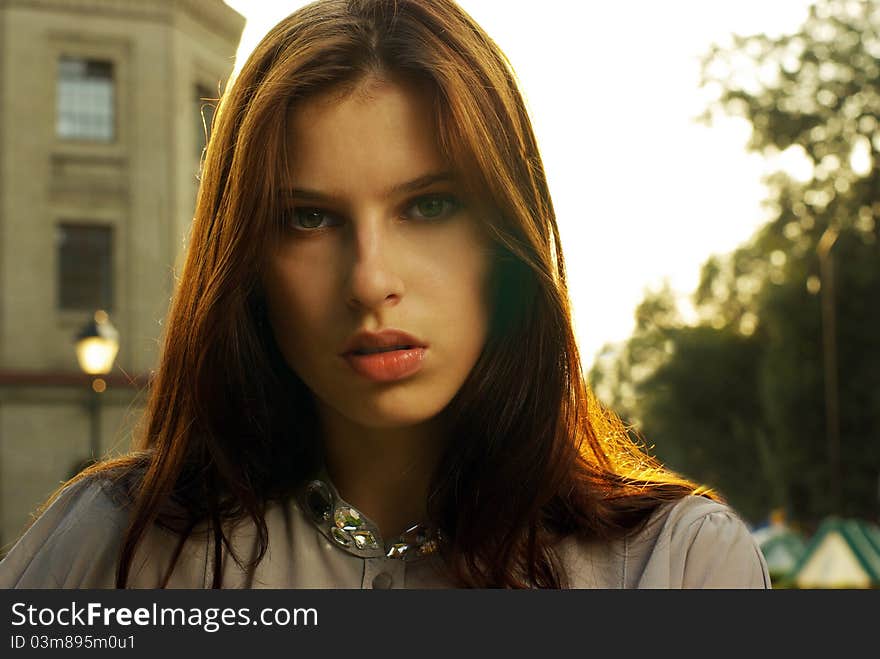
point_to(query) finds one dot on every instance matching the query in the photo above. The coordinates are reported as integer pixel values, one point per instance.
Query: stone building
(100, 142)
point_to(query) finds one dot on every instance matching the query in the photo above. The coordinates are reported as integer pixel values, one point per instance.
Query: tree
(774, 395)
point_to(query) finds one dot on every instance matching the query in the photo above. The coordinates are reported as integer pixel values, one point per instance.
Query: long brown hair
(532, 455)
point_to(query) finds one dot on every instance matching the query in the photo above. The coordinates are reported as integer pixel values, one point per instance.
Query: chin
(397, 413)
(391, 419)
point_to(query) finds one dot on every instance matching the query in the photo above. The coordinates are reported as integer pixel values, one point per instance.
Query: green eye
(430, 207)
(433, 207)
(306, 219)
(309, 218)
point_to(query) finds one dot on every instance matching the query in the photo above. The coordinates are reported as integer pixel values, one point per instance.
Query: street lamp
(829, 351)
(97, 344)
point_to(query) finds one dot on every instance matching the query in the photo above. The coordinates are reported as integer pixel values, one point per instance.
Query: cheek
(460, 282)
(294, 303)
(467, 289)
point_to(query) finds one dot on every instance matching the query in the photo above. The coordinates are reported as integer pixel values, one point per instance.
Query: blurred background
(714, 171)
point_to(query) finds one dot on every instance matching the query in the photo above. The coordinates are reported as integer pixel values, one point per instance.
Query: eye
(432, 207)
(308, 219)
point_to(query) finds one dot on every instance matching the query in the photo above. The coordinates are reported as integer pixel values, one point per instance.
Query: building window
(85, 99)
(206, 105)
(85, 267)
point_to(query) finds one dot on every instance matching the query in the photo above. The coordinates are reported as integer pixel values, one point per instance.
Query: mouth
(387, 340)
(373, 351)
(386, 364)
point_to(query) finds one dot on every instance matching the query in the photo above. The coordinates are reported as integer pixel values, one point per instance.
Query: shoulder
(693, 542)
(696, 542)
(76, 541)
(72, 544)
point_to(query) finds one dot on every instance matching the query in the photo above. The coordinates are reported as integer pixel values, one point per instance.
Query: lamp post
(96, 346)
(829, 352)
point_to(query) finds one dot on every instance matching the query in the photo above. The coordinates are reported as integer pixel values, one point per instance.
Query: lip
(386, 366)
(387, 338)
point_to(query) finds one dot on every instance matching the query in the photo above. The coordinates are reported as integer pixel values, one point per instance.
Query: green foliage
(743, 400)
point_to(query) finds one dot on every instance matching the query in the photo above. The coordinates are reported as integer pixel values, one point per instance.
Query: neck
(383, 472)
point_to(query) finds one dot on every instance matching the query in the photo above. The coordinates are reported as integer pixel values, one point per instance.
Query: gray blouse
(690, 543)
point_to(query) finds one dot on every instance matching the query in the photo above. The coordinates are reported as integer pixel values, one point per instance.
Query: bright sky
(642, 193)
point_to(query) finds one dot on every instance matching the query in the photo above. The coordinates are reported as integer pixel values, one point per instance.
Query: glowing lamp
(97, 344)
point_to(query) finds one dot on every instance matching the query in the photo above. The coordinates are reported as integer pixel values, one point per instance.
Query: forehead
(357, 140)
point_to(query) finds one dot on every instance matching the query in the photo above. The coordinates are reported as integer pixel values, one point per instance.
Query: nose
(374, 282)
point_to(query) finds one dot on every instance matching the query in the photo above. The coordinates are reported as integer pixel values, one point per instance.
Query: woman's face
(377, 237)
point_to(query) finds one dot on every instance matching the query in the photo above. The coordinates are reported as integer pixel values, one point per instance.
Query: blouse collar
(352, 531)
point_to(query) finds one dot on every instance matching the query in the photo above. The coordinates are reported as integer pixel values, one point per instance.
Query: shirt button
(382, 580)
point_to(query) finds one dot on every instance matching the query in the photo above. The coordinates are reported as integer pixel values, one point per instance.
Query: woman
(369, 376)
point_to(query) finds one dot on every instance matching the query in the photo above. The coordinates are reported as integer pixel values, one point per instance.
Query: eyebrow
(407, 187)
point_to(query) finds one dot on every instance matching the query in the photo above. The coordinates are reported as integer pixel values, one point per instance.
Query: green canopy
(843, 553)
